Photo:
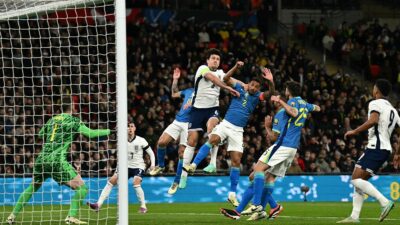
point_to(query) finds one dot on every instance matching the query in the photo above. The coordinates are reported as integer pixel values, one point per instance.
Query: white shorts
(178, 130)
(278, 160)
(232, 134)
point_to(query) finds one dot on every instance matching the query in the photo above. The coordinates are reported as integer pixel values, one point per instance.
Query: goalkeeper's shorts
(61, 171)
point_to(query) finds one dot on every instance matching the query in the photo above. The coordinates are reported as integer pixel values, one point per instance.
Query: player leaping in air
(231, 128)
(382, 118)
(57, 135)
(273, 131)
(136, 167)
(205, 103)
(281, 154)
(176, 130)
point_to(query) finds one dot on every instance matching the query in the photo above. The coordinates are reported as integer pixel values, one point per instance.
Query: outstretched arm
(90, 133)
(209, 76)
(228, 76)
(175, 93)
(372, 121)
(267, 75)
(292, 111)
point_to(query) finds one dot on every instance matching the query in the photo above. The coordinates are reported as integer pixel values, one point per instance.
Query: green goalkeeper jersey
(58, 134)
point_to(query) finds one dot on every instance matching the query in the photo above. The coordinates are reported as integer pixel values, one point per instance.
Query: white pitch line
(288, 217)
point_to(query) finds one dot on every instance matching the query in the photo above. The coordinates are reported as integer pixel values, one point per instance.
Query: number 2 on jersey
(303, 114)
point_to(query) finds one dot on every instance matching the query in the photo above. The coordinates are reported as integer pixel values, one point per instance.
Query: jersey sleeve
(374, 107)
(310, 107)
(152, 156)
(293, 103)
(203, 70)
(183, 93)
(278, 122)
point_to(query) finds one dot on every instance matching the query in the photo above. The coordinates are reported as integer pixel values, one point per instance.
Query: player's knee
(162, 142)
(192, 142)
(214, 139)
(83, 189)
(235, 162)
(356, 182)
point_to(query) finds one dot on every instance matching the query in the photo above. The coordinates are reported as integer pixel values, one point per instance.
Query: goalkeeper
(57, 135)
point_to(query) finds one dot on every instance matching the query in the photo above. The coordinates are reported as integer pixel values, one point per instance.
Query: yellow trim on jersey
(204, 70)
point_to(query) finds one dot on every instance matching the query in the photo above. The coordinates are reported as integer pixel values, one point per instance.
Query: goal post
(51, 50)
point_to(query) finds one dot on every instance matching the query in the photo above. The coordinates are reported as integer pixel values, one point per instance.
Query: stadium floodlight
(52, 50)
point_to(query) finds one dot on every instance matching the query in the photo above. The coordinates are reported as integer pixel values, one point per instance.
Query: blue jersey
(280, 121)
(290, 136)
(241, 107)
(184, 114)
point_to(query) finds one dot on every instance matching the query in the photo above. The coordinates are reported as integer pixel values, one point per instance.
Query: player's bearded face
(213, 62)
(254, 87)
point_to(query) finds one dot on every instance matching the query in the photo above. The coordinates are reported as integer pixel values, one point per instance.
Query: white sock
(358, 200)
(140, 195)
(105, 193)
(370, 190)
(214, 153)
(231, 194)
(187, 158)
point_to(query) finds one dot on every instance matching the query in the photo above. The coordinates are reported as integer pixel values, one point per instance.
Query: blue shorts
(199, 118)
(372, 160)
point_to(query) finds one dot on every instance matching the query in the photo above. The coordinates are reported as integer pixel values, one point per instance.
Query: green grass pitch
(298, 213)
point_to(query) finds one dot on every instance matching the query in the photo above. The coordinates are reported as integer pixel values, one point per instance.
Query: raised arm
(267, 75)
(91, 133)
(209, 76)
(228, 76)
(372, 121)
(175, 93)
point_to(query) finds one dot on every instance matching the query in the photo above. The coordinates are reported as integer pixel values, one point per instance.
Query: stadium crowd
(153, 52)
(367, 46)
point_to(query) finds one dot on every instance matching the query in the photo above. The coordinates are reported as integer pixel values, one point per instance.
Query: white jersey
(206, 93)
(379, 135)
(136, 147)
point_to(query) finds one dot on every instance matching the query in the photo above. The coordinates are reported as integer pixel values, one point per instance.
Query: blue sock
(178, 171)
(271, 201)
(247, 195)
(267, 196)
(234, 175)
(264, 197)
(161, 156)
(258, 187)
(202, 154)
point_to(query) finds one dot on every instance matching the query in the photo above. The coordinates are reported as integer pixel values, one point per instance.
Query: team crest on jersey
(292, 104)
(276, 121)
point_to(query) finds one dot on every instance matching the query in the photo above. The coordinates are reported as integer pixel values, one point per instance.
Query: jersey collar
(134, 137)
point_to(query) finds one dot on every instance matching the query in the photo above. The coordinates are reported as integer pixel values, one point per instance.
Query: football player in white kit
(205, 103)
(136, 168)
(382, 118)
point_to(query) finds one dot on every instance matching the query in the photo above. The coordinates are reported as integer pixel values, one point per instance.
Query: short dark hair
(256, 79)
(294, 88)
(384, 86)
(213, 51)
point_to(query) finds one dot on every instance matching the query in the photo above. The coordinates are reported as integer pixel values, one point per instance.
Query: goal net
(52, 50)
